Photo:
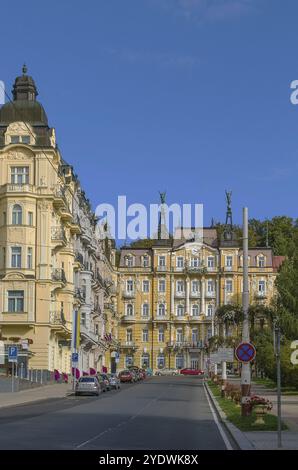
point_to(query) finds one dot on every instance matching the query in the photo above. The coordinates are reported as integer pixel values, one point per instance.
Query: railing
(196, 269)
(185, 344)
(129, 344)
(161, 268)
(210, 295)
(58, 233)
(261, 295)
(58, 274)
(57, 318)
(211, 269)
(129, 294)
(180, 294)
(15, 188)
(195, 295)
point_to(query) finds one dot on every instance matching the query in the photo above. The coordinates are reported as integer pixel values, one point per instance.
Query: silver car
(167, 371)
(88, 385)
(114, 381)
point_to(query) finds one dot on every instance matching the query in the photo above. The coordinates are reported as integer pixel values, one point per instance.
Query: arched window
(161, 362)
(161, 310)
(145, 360)
(16, 215)
(195, 310)
(145, 310)
(129, 310)
(180, 310)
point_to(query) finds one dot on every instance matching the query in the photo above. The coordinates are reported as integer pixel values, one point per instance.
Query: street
(159, 413)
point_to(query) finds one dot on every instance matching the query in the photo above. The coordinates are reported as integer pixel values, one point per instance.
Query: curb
(238, 436)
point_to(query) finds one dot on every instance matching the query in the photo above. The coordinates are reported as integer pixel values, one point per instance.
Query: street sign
(214, 359)
(75, 357)
(225, 354)
(12, 354)
(245, 352)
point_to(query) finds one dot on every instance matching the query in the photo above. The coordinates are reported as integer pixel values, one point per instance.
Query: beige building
(52, 258)
(169, 293)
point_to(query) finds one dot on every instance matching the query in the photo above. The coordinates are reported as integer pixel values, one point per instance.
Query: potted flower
(261, 406)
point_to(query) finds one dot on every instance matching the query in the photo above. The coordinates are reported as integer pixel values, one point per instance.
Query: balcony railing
(210, 295)
(129, 294)
(196, 269)
(180, 294)
(58, 274)
(128, 345)
(194, 294)
(17, 188)
(161, 268)
(185, 344)
(58, 234)
(57, 318)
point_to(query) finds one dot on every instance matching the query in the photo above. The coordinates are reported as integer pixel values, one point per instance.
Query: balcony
(161, 269)
(58, 235)
(129, 345)
(57, 318)
(196, 269)
(195, 295)
(210, 295)
(17, 188)
(58, 275)
(180, 294)
(211, 269)
(227, 269)
(128, 294)
(179, 345)
(88, 335)
(262, 295)
(128, 318)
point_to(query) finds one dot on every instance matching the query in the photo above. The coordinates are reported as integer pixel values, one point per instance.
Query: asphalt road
(159, 413)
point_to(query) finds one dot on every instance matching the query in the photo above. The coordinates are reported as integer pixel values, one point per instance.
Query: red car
(192, 372)
(126, 376)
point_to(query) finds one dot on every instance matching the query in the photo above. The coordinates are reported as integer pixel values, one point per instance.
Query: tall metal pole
(277, 336)
(245, 370)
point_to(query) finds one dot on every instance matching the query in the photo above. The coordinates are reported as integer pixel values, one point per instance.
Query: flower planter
(261, 411)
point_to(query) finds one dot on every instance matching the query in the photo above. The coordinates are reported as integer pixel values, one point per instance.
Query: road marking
(131, 418)
(220, 428)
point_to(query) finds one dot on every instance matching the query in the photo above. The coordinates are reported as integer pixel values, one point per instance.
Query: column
(172, 295)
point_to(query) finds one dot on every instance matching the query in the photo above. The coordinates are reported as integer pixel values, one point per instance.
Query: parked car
(88, 385)
(167, 371)
(126, 376)
(106, 380)
(114, 381)
(189, 371)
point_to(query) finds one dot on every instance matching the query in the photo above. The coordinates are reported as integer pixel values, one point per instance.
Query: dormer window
(261, 261)
(16, 139)
(129, 261)
(145, 261)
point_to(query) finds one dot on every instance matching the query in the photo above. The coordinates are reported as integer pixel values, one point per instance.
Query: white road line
(220, 428)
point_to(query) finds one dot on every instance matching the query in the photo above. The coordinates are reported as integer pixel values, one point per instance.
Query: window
(229, 286)
(128, 361)
(180, 286)
(145, 261)
(129, 261)
(229, 261)
(161, 261)
(15, 300)
(16, 257)
(209, 332)
(180, 310)
(30, 218)
(146, 286)
(210, 262)
(195, 286)
(194, 262)
(4, 218)
(161, 310)
(209, 310)
(29, 258)
(145, 310)
(17, 215)
(129, 310)
(25, 139)
(161, 362)
(179, 335)
(145, 360)
(179, 261)
(4, 257)
(161, 285)
(14, 139)
(210, 286)
(129, 335)
(261, 262)
(194, 335)
(179, 361)
(161, 335)
(129, 285)
(83, 318)
(195, 310)
(262, 287)
(145, 336)
(19, 175)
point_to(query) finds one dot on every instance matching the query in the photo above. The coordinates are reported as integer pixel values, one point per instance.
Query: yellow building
(169, 293)
(51, 256)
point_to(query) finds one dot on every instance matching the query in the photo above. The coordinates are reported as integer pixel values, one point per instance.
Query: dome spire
(24, 69)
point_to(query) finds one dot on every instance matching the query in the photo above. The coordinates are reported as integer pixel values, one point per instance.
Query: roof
(277, 262)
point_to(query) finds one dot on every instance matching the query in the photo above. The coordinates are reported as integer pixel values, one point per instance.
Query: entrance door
(194, 363)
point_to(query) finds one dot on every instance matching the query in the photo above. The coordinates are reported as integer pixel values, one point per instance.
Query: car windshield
(87, 379)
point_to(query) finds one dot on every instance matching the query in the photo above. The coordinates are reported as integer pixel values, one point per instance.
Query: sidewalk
(267, 440)
(34, 394)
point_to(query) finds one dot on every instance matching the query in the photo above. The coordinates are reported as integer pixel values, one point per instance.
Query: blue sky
(188, 96)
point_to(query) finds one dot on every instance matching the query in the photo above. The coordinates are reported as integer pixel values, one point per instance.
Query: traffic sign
(245, 352)
(75, 357)
(225, 354)
(12, 354)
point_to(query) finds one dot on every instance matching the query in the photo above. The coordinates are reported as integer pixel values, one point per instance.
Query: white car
(167, 371)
